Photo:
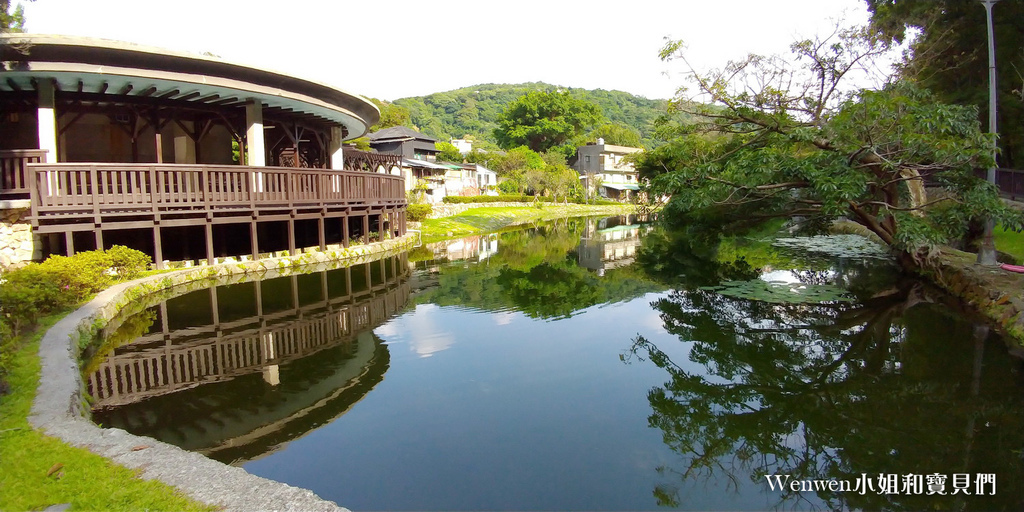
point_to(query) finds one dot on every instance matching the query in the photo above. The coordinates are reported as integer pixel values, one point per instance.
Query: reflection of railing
(13, 171)
(187, 358)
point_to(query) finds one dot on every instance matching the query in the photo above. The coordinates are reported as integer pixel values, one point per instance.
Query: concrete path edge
(60, 407)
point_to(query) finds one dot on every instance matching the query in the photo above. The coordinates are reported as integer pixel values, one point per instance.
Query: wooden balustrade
(113, 189)
(14, 180)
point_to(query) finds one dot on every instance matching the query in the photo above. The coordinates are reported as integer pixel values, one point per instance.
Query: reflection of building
(603, 169)
(227, 371)
(610, 243)
(471, 248)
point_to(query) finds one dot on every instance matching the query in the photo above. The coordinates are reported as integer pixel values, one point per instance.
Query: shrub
(419, 212)
(128, 263)
(63, 281)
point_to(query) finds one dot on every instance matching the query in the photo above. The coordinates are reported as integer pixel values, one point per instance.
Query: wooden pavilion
(184, 156)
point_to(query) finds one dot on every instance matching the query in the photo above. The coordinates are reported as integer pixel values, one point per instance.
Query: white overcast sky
(398, 48)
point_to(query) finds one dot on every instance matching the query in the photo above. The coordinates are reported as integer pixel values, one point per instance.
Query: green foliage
(390, 115)
(793, 148)
(62, 281)
(474, 110)
(448, 152)
(86, 481)
(418, 212)
(545, 120)
(12, 21)
(616, 134)
(950, 57)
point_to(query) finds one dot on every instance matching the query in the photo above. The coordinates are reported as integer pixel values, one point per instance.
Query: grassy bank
(490, 219)
(39, 471)
(1010, 242)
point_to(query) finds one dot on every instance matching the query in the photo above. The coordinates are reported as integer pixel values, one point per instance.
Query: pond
(586, 364)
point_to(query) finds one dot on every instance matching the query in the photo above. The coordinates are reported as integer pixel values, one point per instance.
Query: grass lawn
(1010, 242)
(39, 471)
(489, 219)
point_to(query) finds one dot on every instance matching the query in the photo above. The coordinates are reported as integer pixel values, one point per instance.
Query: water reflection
(235, 371)
(894, 384)
(611, 242)
(541, 271)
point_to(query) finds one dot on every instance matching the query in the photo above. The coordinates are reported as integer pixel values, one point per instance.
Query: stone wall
(996, 293)
(18, 245)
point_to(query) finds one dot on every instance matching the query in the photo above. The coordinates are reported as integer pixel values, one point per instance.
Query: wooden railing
(104, 189)
(1009, 181)
(13, 171)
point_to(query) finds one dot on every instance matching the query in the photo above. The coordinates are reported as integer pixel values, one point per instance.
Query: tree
(779, 139)
(517, 159)
(11, 21)
(950, 57)
(617, 134)
(448, 152)
(544, 120)
(390, 115)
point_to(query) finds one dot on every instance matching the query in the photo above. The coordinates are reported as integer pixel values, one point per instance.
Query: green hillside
(474, 110)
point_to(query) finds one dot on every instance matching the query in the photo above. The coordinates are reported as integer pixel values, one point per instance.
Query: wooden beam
(81, 85)
(207, 98)
(126, 89)
(14, 85)
(168, 94)
(147, 91)
(103, 88)
(188, 96)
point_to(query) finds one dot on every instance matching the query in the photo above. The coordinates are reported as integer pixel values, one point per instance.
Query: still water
(582, 365)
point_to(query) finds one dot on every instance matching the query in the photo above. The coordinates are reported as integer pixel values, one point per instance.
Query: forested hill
(474, 110)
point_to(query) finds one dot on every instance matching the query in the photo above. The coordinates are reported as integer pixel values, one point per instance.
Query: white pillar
(255, 146)
(337, 156)
(47, 121)
(184, 146)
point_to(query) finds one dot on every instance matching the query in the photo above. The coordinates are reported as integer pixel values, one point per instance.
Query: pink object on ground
(1013, 268)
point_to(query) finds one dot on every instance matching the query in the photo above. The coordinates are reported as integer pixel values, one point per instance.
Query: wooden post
(344, 231)
(69, 241)
(158, 250)
(366, 228)
(254, 240)
(209, 240)
(320, 231)
(291, 237)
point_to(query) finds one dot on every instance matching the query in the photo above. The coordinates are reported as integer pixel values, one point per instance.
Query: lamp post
(987, 251)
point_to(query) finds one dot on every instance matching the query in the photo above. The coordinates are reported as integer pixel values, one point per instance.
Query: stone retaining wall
(18, 245)
(60, 409)
(996, 293)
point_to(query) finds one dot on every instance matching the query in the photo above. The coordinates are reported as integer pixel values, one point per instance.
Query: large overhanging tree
(777, 137)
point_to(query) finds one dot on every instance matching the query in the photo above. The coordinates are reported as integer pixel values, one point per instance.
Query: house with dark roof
(423, 174)
(404, 141)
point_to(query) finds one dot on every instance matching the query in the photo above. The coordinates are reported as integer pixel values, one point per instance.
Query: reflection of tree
(832, 392)
(535, 272)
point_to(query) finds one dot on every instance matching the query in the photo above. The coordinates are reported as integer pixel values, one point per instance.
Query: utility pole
(987, 251)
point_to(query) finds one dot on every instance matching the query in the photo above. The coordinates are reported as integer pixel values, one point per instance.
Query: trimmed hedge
(419, 212)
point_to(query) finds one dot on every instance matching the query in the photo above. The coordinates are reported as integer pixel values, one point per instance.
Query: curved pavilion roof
(105, 70)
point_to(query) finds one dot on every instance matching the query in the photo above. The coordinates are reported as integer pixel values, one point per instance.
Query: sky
(395, 49)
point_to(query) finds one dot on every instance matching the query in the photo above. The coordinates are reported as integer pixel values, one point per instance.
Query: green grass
(490, 219)
(1010, 242)
(85, 480)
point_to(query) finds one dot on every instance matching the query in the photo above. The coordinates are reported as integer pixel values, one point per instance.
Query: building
(182, 156)
(418, 152)
(463, 145)
(605, 171)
